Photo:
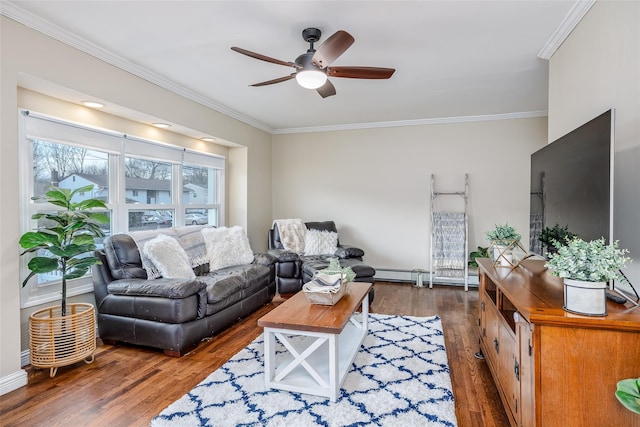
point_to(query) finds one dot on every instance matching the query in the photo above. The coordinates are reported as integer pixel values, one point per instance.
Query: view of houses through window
(153, 193)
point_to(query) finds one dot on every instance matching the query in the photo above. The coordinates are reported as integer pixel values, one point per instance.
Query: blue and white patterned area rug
(400, 377)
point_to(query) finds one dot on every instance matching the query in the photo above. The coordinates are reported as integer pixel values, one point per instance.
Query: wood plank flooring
(128, 386)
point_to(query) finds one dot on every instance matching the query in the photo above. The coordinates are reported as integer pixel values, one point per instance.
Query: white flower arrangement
(592, 261)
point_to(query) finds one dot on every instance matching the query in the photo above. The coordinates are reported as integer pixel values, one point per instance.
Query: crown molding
(10, 10)
(417, 122)
(573, 18)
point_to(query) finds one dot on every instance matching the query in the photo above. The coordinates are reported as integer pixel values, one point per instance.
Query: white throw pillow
(169, 257)
(320, 242)
(227, 246)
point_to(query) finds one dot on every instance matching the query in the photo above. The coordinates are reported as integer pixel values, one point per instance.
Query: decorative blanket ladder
(449, 239)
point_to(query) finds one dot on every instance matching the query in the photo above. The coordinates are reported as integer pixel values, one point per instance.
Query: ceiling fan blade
(327, 89)
(361, 72)
(278, 80)
(264, 57)
(332, 48)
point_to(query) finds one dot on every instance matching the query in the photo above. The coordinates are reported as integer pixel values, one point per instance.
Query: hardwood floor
(128, 386)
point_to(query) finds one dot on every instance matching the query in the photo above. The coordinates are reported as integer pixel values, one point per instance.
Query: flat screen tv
(572, 183)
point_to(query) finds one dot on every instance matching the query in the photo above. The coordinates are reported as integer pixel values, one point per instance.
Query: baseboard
(421, 277)
(393, 275)
(13, 381)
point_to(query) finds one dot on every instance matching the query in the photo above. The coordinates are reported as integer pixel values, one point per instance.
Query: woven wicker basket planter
(56, 341)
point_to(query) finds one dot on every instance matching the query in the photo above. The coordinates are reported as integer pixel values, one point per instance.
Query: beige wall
(28, 56)
(595, 69)
(375, 184)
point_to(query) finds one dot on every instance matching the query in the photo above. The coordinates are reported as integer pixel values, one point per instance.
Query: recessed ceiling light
(93, 104)
(207, 139)
(161, 125)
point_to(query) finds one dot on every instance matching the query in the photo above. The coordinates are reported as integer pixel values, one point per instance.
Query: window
(202, 194)
(146, 185)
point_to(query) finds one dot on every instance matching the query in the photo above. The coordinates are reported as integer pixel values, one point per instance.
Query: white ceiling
(453, 59)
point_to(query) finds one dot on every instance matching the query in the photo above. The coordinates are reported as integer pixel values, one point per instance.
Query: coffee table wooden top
(298, 313)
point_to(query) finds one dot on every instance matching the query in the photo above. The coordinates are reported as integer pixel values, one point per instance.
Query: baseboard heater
(420, 277)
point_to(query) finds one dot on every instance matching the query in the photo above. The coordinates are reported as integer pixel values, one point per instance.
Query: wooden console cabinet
(552, 367)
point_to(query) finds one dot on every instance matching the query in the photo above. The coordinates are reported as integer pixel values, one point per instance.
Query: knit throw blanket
(292, 233)
(449, 243)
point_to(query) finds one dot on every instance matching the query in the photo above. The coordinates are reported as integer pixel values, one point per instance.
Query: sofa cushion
(141, 238)
(222, 283)
(169, 257)
(322, 226)
(191, 239)
(189, 298)
(320, 242)
(123, 257)
(345, 251)
(167, 288)
(226, 247)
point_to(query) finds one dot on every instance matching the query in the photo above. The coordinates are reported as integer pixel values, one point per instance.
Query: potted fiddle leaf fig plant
(586, 267)
(64, 242)
(502, 240)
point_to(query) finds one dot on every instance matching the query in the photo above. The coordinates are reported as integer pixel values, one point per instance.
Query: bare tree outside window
(146, 169)
(54, 163)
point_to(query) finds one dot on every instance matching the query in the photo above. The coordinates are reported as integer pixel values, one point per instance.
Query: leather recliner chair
(292, 270)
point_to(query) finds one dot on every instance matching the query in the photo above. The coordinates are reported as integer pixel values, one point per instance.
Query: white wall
(595, 69)
(27, 57)
(375, 183)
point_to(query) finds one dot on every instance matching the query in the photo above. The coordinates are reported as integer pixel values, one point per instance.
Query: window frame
(56, 130)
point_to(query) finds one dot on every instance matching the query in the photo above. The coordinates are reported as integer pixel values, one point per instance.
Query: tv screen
(572, 183)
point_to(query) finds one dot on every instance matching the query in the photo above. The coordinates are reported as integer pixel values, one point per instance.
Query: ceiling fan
(313, 68)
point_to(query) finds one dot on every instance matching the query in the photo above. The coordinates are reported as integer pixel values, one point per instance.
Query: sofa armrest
(263, 258)
(283, 255)
(165, 288)
(346, 251)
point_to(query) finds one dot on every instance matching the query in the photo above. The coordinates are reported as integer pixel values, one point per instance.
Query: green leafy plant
(592, 261)
(67, 235)
(628, 393)
(503, 234)
(556, 233)
(479, 253)
(335, 268)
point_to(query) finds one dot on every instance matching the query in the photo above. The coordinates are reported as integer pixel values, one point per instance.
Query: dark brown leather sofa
(173, 314)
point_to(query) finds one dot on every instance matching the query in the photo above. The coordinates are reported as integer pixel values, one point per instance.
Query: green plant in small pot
(64, 242)
(502, 239)
(556, 234)
(480, 252)
(586, 267)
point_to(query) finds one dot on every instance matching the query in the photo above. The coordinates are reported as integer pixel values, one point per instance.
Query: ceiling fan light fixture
(311, 79)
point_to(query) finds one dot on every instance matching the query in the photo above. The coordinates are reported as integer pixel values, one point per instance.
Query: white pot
(506, 259)
(588, 298)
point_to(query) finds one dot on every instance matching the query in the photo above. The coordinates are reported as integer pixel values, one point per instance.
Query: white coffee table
(318, 362)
